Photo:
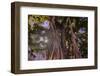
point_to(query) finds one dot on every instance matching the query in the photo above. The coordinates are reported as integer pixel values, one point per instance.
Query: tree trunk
(55, 49)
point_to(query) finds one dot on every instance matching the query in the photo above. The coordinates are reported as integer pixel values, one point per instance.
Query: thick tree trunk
(54, 42)
(74, 45)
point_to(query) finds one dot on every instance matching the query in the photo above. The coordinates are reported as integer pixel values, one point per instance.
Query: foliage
(37, 18)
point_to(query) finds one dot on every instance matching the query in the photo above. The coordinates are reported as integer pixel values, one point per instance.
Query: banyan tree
(54, 37)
